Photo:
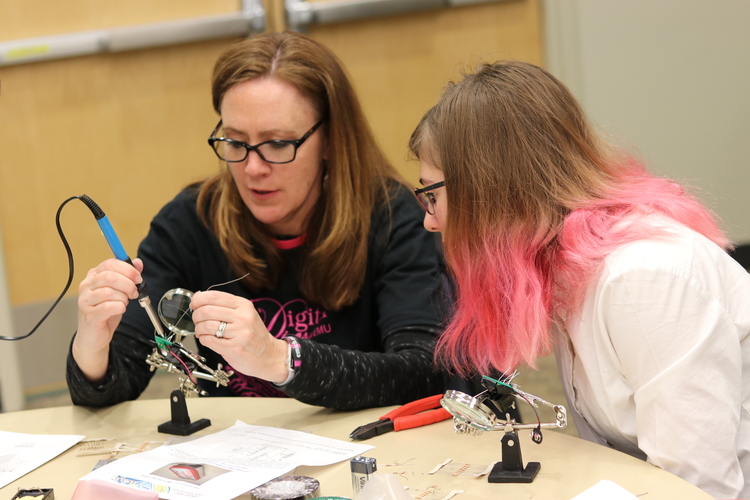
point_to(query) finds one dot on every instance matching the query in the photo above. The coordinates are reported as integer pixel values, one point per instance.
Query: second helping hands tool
(415, 414)
(473, 415)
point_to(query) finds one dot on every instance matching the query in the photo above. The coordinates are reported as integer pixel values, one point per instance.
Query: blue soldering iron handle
(109, 233)
(121, 254)
(118, 250)
(113, 240)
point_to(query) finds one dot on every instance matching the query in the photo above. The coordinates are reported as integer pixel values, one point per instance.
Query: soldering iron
(120, 254)
(117, 249)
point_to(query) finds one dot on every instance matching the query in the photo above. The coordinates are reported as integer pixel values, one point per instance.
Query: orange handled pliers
(408, 416)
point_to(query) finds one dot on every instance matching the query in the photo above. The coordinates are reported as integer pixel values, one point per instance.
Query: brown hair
(532, 152)
(335, 251)
(535, 203)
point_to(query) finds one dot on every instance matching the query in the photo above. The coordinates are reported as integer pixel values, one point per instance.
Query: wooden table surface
(568, 465)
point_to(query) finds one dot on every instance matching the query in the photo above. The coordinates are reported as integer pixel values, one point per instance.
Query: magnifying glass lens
(175, 312)
(469, 410)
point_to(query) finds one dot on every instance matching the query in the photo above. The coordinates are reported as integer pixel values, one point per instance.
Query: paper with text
(22, 453)
(225, 464)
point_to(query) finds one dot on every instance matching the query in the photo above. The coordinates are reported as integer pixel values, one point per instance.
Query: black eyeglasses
(274, 151)
(426, 198)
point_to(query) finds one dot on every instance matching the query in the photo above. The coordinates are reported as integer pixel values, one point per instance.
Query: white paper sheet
(22, 453)
(605, 490)
(225, 464)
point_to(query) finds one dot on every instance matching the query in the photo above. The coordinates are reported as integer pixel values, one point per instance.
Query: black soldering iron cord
(70, 265)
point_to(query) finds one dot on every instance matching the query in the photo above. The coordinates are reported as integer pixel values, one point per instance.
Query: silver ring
(220, 332)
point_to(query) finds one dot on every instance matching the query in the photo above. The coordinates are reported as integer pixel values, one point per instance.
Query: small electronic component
(458, 469)
(362, 470)
(34, 494)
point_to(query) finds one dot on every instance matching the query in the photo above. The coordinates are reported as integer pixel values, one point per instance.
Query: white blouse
(657, 362)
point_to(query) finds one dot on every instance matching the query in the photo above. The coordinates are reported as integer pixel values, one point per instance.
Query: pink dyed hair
(534, 196)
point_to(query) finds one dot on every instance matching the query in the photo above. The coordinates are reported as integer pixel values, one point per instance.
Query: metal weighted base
(180, 424)
(525, 475)
(511, 469)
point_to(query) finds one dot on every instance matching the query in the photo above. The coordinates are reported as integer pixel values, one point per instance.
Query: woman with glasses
(557, 239)
(337, 303)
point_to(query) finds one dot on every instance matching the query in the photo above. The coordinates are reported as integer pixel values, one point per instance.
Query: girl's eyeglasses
(426, 198)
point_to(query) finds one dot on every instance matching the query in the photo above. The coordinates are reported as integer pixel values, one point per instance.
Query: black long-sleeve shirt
(376, 352)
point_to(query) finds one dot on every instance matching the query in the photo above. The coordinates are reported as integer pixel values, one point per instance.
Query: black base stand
(511, 469)
(525, 475)
(180, 424)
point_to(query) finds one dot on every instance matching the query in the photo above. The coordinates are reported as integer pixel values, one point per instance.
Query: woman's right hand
(102, 298)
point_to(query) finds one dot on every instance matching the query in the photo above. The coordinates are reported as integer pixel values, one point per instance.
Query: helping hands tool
(169, 354)
(473, 415)
(415, 414)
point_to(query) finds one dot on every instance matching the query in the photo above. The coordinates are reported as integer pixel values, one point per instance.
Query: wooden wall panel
(32, 18)
(400, 64)
(129, 129)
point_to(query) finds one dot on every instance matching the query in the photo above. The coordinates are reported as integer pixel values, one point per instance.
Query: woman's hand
(102, 298)
(245, 342)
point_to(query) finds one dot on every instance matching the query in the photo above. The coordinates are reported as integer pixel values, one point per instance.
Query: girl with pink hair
(558, 240)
